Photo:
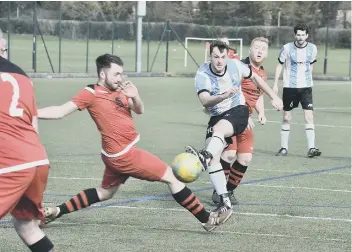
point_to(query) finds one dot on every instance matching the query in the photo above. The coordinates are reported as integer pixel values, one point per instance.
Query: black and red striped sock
(81, 200)
(226, 167)
(237, 172)
(188, 200)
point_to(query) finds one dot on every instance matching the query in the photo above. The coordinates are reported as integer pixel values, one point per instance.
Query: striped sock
(81, 200)
(188, 200)
(236, 174)
(226, 167)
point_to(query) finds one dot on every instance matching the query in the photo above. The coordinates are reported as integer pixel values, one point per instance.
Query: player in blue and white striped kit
(218, 84)
(297, 58)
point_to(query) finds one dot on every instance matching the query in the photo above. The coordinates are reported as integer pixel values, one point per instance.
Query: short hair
(260, 39)
(104, 61)
(301, 27)
(219, 44)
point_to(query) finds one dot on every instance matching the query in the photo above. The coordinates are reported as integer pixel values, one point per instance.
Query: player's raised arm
(134, 100)
(259, 107)
(203, 87)
(57, 112)
(208, 100)
(81, 101)
(275, 100)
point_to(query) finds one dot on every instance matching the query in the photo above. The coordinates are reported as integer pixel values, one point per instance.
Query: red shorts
(136, 163)
(243, 143)
(21, 193)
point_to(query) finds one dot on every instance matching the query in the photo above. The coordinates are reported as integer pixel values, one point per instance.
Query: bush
(340, 38)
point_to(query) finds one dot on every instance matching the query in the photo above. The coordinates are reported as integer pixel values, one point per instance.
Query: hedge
(339, 38)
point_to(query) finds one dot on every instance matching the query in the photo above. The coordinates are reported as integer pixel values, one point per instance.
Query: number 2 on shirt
(13, 110)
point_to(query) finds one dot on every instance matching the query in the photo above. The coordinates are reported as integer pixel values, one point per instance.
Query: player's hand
(206, 110)
(231, 92)
(128, 89)
(275, 89)
(277, 103)
(262, 119)
(251, 124)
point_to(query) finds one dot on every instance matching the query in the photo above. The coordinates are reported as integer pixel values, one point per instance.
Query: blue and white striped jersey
(297, 64)
(208, 81)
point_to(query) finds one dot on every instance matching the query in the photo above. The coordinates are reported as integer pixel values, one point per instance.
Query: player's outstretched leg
(184, 196)
(234, 175)
(82, 200)
(216, 173)
(226, 167)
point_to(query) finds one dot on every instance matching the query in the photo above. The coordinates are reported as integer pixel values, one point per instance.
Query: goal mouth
(234, 51)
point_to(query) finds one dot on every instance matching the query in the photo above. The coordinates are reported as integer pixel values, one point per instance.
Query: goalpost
(206, 51)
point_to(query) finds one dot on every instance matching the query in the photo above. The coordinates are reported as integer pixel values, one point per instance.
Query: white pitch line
(296, 216)
(208, 183)
(293, 187)
(238, 213)
(332, 108)
(71, 161)
(325, 173)
(75, 178)
(305, 188)
(317, 125)
(197, 230)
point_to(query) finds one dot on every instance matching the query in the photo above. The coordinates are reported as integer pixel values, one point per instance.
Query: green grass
(74, 55)
(286, 203)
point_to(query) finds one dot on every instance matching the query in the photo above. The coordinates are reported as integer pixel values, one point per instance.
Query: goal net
(235, 43)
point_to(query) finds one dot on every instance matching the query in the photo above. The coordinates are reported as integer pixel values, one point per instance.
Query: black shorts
(237, 116)
(291, 97)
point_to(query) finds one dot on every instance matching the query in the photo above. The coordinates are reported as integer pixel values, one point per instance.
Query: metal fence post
(60, 17)
(87, 52)
(34, 52)
(167, 45)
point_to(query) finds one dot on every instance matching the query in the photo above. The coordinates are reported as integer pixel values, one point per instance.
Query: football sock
(81, 200)
(236, 174)
(188, 200)
(217, 177)
(285, 133)
(226, 167)
(216, 144)
(43, 245)
(310, 133)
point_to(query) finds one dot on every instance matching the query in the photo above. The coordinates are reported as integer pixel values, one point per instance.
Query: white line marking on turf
(71, 161)
(305, 188)
(74, 178)
(317, 125)
(294, 187)
(197, 230)
(332, 108)
(325, 173)
(239, 213)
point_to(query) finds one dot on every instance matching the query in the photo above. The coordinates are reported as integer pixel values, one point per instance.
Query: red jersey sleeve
(84, 98)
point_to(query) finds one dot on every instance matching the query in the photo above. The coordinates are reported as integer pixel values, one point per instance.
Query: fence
(56, 45)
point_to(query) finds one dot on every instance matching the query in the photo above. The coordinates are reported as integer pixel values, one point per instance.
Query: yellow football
(186, 167)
